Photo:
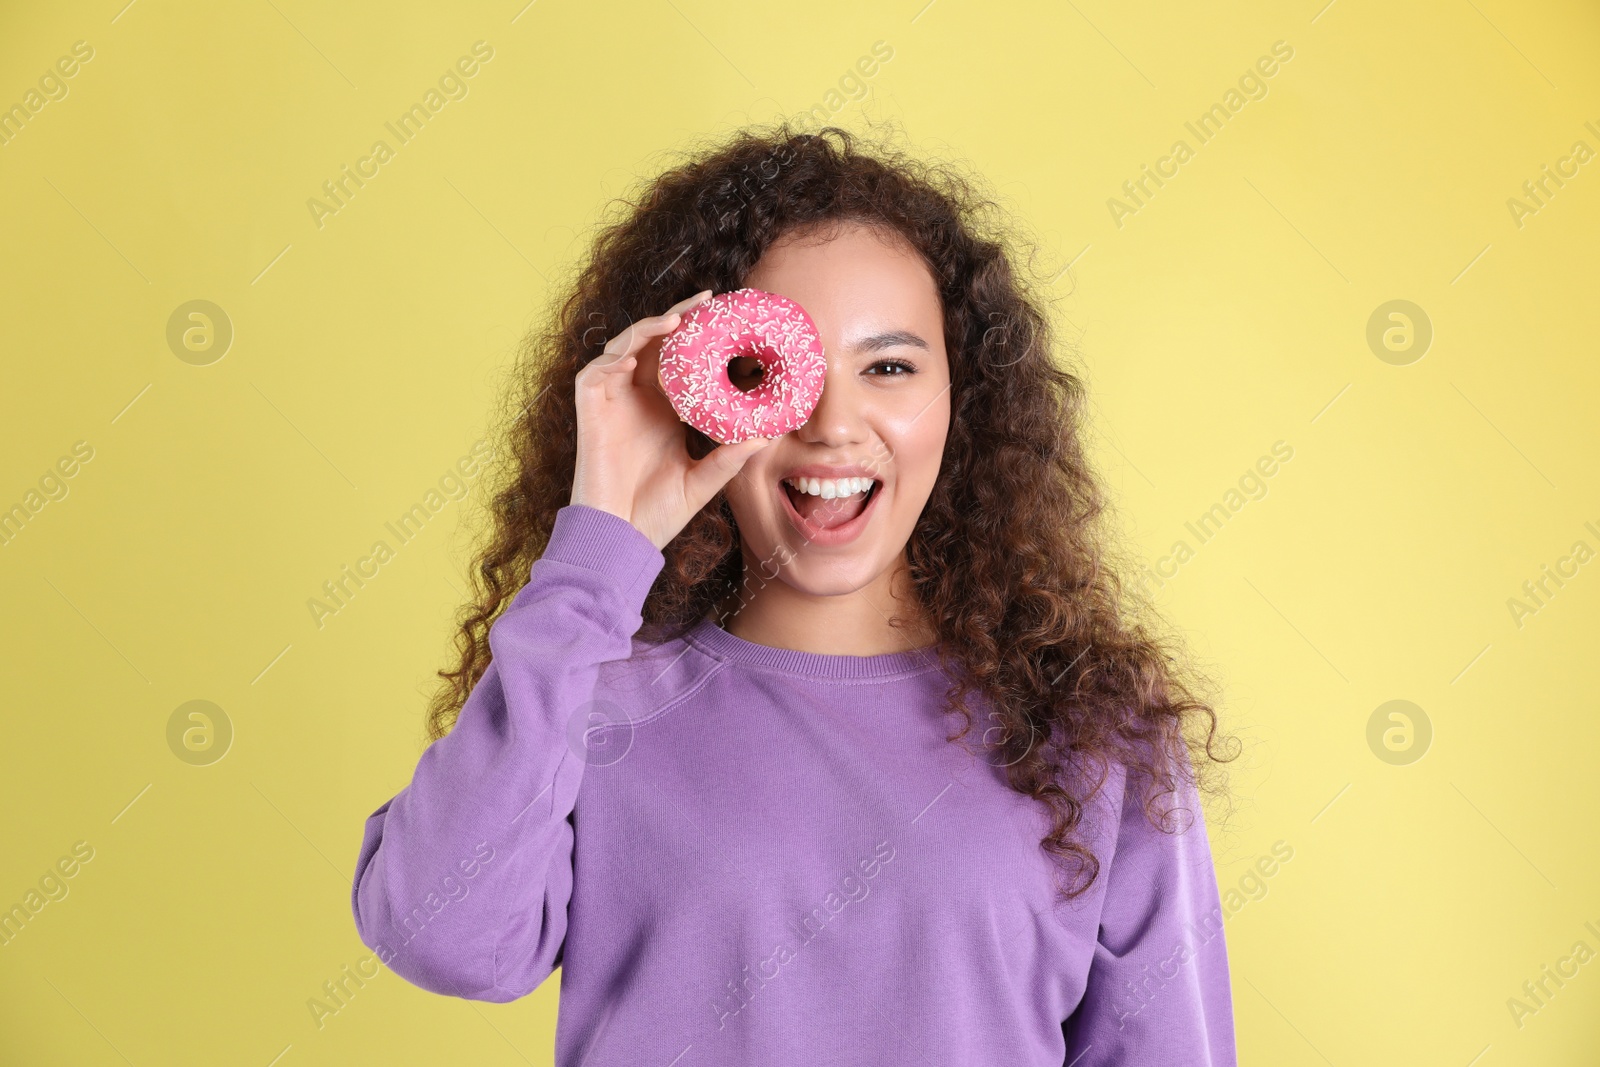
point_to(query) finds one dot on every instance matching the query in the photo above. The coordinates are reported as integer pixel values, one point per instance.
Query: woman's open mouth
(829, 511)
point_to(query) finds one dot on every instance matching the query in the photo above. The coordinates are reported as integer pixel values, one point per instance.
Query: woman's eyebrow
(892, 339)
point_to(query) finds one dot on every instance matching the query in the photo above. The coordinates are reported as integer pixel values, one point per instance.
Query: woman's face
(883, 415)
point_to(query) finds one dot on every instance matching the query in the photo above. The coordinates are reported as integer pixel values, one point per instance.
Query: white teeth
(830, 488)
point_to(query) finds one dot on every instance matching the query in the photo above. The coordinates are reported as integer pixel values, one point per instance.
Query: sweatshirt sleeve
(463, 877)
(1158, 990)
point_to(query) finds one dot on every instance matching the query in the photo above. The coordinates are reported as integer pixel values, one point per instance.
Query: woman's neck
(852, 623)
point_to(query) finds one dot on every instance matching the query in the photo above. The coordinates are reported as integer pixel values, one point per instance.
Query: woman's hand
(633, 458)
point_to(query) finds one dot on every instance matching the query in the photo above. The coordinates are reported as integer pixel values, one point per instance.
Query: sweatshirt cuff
(596, 540)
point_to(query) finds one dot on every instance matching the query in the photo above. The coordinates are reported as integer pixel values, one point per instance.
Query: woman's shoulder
(659, 670)
(1135, 792)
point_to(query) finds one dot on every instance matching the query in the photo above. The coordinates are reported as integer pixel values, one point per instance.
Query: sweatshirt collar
(712, 638)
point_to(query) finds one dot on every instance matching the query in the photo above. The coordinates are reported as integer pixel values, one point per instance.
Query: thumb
(710, 473)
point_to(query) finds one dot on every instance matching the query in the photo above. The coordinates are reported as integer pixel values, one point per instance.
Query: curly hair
(1009, 560)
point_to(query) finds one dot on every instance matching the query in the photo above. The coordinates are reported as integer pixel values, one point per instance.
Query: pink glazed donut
(771, 329)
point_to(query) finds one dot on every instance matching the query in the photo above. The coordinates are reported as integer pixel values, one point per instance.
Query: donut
(771, 329)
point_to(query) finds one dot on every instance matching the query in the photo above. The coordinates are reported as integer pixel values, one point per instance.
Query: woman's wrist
(625, 514)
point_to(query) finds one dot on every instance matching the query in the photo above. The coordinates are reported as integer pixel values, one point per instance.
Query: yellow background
(1230, 312)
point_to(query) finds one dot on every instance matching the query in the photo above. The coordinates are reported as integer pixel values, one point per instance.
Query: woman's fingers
(635, 336)
(621, 347)
(616, 375)
(639, 334)
(622, 354)
(632, 458)
(638, 342)
(689, 302)
(709, 474)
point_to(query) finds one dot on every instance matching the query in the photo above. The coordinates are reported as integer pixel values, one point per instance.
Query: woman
(715, 758)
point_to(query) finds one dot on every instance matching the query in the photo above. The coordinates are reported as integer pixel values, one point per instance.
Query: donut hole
(746, 373)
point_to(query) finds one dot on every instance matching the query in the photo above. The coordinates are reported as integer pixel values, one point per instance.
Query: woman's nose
(838, 418)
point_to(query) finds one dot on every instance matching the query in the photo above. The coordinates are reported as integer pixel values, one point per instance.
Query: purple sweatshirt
(739, 854)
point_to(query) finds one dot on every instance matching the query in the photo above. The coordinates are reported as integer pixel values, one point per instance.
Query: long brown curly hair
(1009, 559)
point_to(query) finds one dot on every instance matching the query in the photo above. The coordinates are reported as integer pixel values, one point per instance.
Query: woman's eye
(899, 366)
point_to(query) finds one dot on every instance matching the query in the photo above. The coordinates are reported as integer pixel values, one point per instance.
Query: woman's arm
(463, 879)
(1158, 990)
